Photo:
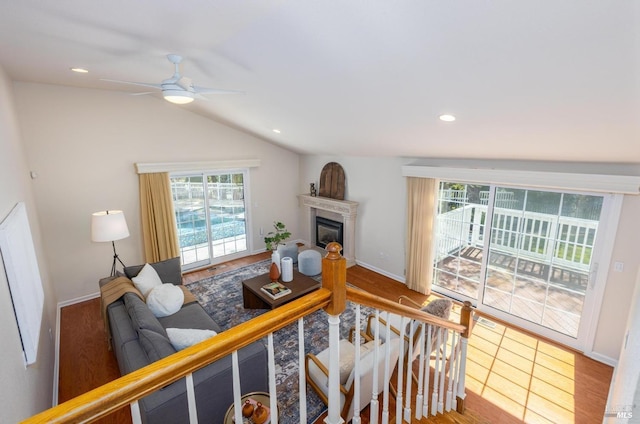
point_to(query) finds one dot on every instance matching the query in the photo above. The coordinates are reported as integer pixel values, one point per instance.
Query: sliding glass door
(527, 256)
(210, 216)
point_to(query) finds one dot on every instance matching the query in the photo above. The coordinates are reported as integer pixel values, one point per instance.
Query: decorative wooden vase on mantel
(274, 272)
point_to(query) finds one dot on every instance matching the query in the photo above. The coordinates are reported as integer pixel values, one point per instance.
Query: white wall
(625, 384)
(380, 229)
(24, 392)
(377, 184)
(83, 145)
(616, 303)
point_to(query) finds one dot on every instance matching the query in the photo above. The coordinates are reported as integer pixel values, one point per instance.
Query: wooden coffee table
(254, 298)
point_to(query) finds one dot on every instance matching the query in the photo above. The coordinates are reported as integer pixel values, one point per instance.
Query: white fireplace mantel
(346, 208)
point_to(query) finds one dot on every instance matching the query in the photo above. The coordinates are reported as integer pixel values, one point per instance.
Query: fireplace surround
(346, 210)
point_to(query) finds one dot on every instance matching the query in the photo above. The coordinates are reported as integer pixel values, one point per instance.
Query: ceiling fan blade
(143, 93)
(205, 90)
(143, 84)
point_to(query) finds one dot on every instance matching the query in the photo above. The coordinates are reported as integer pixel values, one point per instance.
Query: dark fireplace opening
(327, 231)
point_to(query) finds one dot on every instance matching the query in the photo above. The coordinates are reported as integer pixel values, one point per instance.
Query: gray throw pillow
(439, 307)
(141, 316)
(169, 271)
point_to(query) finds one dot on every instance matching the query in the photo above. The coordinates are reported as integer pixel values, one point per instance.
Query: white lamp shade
(108, 226)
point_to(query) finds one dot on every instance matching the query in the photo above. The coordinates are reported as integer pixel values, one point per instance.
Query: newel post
(334, 278)
(466, 319)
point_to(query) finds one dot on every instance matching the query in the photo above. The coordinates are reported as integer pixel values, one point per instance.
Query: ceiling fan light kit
(179, 97)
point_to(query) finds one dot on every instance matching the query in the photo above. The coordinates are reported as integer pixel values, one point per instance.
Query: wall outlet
(618, 266)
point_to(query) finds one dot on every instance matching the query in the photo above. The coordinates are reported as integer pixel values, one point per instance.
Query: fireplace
(327, 231)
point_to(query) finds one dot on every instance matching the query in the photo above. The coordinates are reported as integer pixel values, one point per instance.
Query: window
(210, 216)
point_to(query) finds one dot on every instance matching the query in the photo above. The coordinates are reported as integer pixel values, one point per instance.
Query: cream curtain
(422, 195)
(158, 219)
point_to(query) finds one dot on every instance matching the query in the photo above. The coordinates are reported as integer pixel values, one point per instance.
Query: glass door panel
(191, 219)
(540, 251)
(227, 214)
(460, 225)
(534, 268)
(210, 216)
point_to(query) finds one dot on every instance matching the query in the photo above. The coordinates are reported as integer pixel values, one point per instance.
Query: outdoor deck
(551, 296)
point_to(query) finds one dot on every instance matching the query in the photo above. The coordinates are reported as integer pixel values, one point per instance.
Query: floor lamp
(109, 226)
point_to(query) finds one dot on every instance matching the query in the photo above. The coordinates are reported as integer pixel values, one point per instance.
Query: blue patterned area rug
(221, 297)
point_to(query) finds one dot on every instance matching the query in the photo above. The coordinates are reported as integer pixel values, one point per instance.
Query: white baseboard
(602, 358)
(78, 300)
(381, 271)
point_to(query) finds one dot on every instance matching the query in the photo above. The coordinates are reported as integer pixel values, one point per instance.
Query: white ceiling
(539, 80)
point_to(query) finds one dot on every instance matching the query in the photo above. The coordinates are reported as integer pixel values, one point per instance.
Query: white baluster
(419, 394)
(302, 384)
(333, 416)
(374, 405)
(452, 372)
(427, 371)
(407, 407)
(356, 366)
(454, 397)
(400, 370)
(463, 365)
(191, 399)
(387, 373)
(235, 373)
(436, 373)
(443, 369)
(273, 393)
(135, 412)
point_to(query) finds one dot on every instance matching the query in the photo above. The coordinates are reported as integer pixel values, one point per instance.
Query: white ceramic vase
(287, 270)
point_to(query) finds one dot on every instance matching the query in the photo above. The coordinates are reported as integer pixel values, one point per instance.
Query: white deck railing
(566, 242)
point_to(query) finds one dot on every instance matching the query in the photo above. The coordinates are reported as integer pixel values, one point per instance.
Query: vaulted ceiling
(539, 80)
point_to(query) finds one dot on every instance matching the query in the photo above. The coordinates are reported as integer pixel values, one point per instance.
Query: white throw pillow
(165, 300)
(146, 279)
(181, 338)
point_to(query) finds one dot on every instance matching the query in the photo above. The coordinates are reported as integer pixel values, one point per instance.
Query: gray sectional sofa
(139, 338)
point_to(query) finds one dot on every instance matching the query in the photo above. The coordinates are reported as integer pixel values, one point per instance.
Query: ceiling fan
(178, 89)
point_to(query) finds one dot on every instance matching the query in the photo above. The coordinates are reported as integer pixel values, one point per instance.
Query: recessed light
(447, 118)
(277, 131)
(80, 70)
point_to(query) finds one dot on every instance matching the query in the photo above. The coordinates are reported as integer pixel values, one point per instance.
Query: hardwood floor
(512, 376)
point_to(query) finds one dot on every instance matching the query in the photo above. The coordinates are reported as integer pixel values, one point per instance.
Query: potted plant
(277, 237)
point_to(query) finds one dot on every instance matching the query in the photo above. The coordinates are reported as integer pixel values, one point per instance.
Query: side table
(261, 397)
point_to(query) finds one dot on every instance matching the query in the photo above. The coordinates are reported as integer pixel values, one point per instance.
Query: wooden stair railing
(112, 396)
(128, 389)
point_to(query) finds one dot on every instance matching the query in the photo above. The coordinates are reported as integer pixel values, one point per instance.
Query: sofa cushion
(146, 280)
(165, 300)
(169, 270)
(181, 338)
(155, 345)
(141, 316)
